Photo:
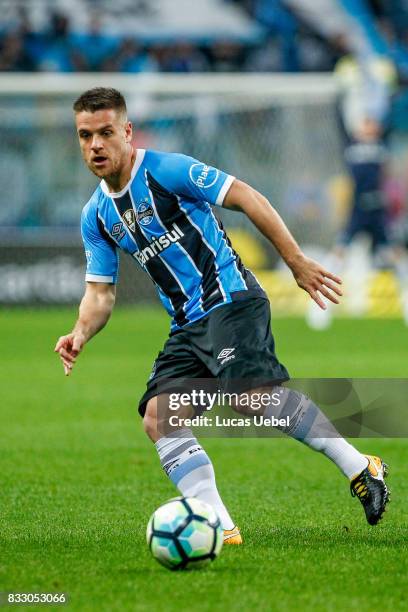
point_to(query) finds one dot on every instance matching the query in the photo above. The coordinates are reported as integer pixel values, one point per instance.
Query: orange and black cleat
(232, 536)
(371, 490)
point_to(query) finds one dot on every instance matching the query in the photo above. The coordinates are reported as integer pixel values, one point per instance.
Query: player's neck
(117, 182)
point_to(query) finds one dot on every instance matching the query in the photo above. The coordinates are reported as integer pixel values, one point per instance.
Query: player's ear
(128, 131)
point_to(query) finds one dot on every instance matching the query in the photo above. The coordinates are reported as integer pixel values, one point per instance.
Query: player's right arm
(94, 312)
(99, 298)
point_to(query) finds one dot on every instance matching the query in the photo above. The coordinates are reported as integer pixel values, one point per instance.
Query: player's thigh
(380, 238)
(173, 368)
(244, 347)
(356, 224)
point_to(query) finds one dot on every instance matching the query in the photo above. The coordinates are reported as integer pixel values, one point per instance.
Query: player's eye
(107, 132)
(84, 135)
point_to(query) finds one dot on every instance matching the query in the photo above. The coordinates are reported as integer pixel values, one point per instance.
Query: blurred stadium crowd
(285, 40)
(334, 164)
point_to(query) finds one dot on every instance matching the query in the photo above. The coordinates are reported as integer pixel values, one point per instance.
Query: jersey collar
(138, 162)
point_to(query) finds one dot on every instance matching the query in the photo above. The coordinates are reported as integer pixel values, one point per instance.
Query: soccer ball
(184, 532)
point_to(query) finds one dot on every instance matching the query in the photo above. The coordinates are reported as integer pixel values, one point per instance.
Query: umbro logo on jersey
(158, 245)
(129, 218)
(226, 355)
(117, 231)
(145, 213)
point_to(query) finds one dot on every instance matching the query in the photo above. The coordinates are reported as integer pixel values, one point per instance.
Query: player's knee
(240, 408)
(150, 420)
(241, 405)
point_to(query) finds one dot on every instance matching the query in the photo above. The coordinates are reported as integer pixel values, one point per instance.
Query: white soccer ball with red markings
(184, 532)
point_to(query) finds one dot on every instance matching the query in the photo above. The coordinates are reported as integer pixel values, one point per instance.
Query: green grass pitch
(79, 480)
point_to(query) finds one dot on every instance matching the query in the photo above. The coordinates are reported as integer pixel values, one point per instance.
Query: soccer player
(366, 156)
(157, 208)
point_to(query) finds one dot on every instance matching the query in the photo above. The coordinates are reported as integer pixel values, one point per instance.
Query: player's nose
(96, 143)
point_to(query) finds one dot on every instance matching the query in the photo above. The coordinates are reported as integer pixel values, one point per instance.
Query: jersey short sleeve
(101, 255)
(188, 177)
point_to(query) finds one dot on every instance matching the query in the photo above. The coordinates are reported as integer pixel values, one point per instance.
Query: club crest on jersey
(145, 213)
(203, 176)
(129, 219)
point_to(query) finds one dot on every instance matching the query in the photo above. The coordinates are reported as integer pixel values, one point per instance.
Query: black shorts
(371, 222)
(234, 344)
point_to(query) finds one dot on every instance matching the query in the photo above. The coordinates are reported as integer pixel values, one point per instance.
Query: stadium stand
(287, 144)
(139, 36)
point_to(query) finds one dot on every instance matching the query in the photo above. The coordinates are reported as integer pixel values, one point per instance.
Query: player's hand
(317, 281)
(69, 347)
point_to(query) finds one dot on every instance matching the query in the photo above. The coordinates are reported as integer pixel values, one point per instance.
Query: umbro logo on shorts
(226, 355)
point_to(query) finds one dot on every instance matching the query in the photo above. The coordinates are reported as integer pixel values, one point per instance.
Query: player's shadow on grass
(154, 569)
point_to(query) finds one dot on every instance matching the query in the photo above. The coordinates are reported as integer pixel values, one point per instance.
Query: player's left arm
(309, 274)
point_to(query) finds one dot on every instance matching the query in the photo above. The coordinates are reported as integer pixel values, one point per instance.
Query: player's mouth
(99, 160)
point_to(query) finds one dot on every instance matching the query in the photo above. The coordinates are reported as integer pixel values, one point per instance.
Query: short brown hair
(99, 98)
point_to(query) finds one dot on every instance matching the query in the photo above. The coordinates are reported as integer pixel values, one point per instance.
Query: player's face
(104, 138)
(369, 130)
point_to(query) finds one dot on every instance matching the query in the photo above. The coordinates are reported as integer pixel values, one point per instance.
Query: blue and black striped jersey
(164, 220)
